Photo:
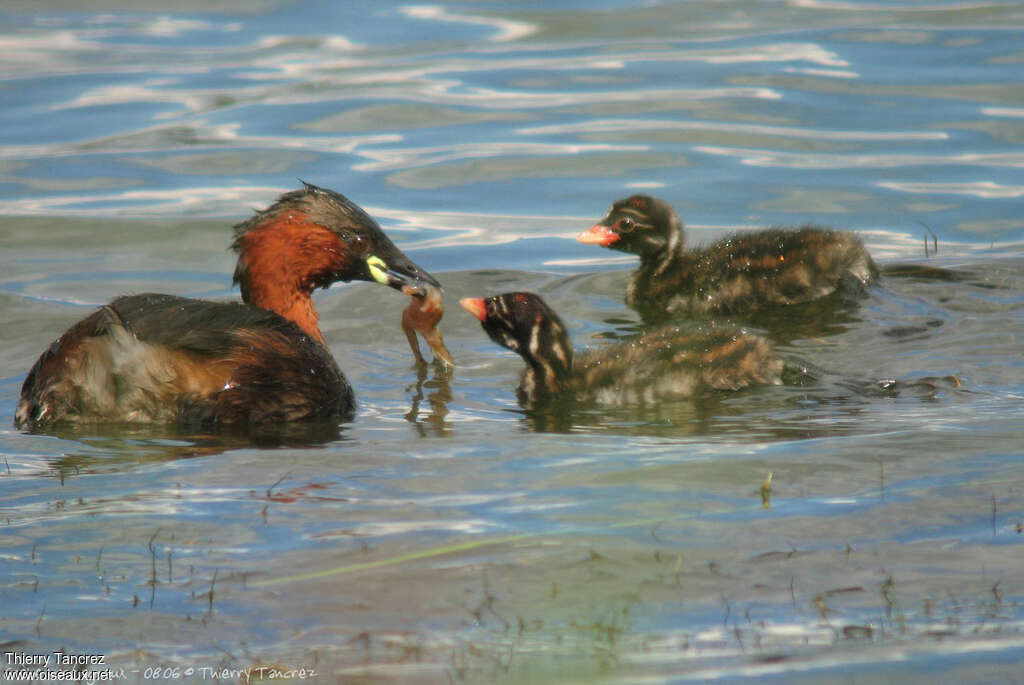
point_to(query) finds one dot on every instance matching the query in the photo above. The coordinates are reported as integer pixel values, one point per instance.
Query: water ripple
(505, 29)
(798, 160)
(592, 126)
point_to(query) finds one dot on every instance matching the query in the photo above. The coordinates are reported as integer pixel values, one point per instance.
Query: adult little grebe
(162, 358)
(665, 363)
(737, 274)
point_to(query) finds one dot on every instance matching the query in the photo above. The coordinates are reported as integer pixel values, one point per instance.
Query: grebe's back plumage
(663, 364)
(740, 273)
(161, 358)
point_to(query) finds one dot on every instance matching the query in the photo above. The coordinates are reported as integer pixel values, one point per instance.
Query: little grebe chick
(161, 358)
(663, 364)
(738, 274)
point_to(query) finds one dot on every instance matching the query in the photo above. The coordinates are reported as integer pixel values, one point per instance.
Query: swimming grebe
(665, 363)
(162, 358)
(741, 273)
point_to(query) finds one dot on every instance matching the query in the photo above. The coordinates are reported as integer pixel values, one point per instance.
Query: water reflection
(696, 416)
(929, 388)
(436, 391)
(115, 447)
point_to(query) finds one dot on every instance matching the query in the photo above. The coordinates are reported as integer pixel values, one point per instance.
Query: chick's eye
(626, 225)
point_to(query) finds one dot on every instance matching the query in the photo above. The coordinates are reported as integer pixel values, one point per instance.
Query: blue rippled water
(444, 535)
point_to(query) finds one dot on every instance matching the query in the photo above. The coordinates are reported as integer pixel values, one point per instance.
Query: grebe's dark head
(640, 224)
(313, 237)
(525, 324)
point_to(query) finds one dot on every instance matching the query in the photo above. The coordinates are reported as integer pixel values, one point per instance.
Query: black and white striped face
(525, 324)
(502, 323)
(639, 224)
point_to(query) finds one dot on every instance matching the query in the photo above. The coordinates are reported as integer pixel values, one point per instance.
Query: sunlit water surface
(445, 535)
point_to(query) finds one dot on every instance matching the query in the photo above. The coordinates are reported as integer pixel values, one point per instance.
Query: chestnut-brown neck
(282, 260)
